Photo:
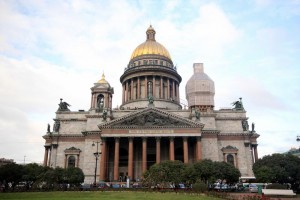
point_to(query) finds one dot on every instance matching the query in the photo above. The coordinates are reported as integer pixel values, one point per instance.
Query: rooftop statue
(48, 128)
(238, 105)
(63, 106)
(245, 125)
(151, 100)
(56, 126)
(104, 115)
(253, 127)
(197, 114)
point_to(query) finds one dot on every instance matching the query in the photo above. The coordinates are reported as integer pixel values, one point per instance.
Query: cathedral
(151, 126)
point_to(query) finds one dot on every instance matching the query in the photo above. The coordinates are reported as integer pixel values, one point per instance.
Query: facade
(150, 126)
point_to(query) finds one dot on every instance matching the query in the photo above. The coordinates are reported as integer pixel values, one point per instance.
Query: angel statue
(63, 106)
(238, 105)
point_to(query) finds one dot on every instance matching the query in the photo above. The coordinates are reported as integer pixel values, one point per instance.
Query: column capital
(157, 138)
(171, 138)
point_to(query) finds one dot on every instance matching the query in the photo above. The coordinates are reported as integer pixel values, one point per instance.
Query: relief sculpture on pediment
(151, 119)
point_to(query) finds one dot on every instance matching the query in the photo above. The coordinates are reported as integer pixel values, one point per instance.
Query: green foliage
(165, 173)
(35, 176)
(278, 168)
(200, 186)
(11, 173)
(32, 172)
(227, 171)
(204, 171)
(189, 175)
(264, 174)
(74, 176)
(209, 171)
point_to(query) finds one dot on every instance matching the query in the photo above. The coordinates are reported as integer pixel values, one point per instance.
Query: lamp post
(96, 154)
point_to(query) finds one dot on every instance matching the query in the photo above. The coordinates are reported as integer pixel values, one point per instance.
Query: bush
(199, 186)
(276, 186)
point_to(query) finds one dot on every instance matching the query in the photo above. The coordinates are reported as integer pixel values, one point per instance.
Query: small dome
(200, 88)
(150, 46)
(103, 82)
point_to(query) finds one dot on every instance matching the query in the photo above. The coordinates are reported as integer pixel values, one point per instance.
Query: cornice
(210, 131)
(61, 136)
(231, 118)
(86, 133)
(68, 120)
(71, 112)
(93, 116)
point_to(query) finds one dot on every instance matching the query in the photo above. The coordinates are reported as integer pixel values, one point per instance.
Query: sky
(59, 49)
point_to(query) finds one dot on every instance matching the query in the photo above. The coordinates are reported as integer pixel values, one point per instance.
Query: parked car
(103, 185)
(116, 185)
(137, 185)
(253, 188)
(221, 187)
(85, 187)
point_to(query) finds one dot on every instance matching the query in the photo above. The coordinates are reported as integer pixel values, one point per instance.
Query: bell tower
(102, 94)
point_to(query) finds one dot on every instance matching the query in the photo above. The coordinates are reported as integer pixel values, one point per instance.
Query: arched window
(100, 101)
(71, 161)
(150, 89)
(230, 159)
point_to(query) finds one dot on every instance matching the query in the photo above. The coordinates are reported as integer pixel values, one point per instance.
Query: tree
(278, 168)
(205, 171)
(11, 174)
(189, 175)
(74, 176)
(226, 171)
(210, 171)
(165, 173)
(32, 174)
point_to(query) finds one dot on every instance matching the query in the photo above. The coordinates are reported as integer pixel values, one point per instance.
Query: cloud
(59, 49)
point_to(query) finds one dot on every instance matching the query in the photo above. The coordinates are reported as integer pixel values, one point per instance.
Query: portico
(132, 156)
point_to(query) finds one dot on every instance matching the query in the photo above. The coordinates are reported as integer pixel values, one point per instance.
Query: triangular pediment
(151, 118)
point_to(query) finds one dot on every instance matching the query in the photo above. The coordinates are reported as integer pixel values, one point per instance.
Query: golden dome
(150, 46)
(102, 80)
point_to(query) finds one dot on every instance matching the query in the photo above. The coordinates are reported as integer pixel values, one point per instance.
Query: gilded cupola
(150, 46)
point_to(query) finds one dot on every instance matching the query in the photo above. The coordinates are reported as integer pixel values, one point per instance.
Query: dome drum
(150, 61)
(153, 71)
